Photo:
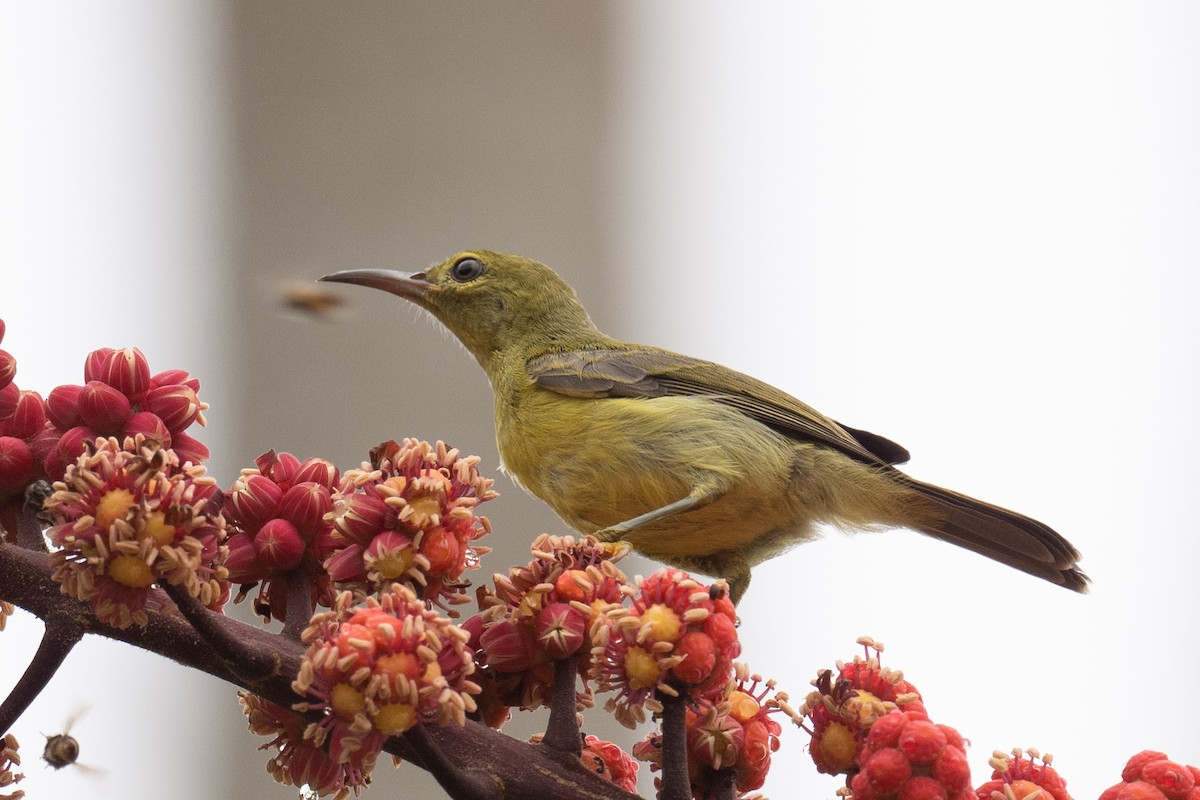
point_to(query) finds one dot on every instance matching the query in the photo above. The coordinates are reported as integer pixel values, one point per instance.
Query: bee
(62, 749)
(310, 300)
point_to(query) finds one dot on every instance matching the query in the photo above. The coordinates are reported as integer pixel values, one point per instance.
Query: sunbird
(694, 464)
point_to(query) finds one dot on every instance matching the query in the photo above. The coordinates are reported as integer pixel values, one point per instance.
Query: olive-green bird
(694, 464)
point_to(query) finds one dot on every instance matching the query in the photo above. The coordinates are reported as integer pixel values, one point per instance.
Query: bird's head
(491, 301)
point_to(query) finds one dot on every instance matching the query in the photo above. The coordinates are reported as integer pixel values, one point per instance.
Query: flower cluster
(128, 516)
(22, 419)
(844, 706)
(677, 636)
(610, 762)
(9, 757)
(298, 761)
(377, 669)
(732, 732)
(1150, 775)
(409, 516)
(1023, 775)
(279, 531)
(121, 398)
(541, 613)
(908, 756)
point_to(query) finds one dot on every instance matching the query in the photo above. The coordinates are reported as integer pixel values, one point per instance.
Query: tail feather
(1002, 535)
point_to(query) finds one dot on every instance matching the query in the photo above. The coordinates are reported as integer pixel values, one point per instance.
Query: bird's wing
(650, 372)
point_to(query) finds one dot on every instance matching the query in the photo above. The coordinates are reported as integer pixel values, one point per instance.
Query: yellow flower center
(113, 505)
(393, 563)
(394, 664)
(130, 571)
(641, 668)
(838, 746)
(158, 529)
(664, 622)
(395, 718)
(346, 701)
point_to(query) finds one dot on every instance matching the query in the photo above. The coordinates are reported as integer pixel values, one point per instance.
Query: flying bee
(310, 300)
(62, 749)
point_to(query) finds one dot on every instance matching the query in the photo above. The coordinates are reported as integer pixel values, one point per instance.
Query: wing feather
(650, 372)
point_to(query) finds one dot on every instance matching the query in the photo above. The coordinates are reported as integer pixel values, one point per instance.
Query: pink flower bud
(188, 448)
(8, 368)
(171, 377)
(93, 365)
(102, 408)
(1, 330)
(150, 426)
(62, 406)
(319, 471)
(509, 646)
(305, 506)
(128, 372)
(255, 500)
(242, 561)
(176, 404)
(279, 545)
(282, 468)
(27, 418)
(16, 465)
(358, 517)
(8, 401)
(560, 629)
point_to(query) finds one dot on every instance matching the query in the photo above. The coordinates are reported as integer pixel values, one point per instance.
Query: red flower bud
(188, 448)
(93, 365)
(171, 377)
(255, 500)
(175, 404)
(560, 629)
(280, 467)
(44, 442)
(150, 426)
(319, 471)
(1, 330)
(8, 401)
(358, 517)
(279, 545)
(442, 550)
(102, 408)
(699, 657)
(346, 565)
(887, 770)
(62, 406)
(16, 465)
(305, 506)
(509, 646)
(70, 447)
(242, 561)
(28, 417)
(921, 741)
(128, 372)
(8, 368)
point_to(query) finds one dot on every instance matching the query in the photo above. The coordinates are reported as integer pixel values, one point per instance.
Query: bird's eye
(466, 269)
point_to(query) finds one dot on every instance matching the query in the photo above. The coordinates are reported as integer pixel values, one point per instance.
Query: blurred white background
(970, 228)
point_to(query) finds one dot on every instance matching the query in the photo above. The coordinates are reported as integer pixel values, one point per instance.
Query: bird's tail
(1000, 534)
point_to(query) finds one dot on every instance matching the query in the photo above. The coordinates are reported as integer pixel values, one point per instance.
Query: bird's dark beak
(409, 285)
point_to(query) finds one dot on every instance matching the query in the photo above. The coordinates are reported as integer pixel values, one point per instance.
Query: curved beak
(409, 285)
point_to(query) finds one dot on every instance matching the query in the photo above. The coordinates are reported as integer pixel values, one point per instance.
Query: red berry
(887, 770)
(923, 788)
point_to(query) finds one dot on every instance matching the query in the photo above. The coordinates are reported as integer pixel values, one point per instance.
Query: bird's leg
(700, 496)
(731, 566)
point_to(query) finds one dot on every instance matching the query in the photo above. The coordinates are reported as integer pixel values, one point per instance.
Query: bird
(691, 463)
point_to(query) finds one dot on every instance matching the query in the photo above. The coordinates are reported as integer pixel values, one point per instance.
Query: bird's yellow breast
(598, 462)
